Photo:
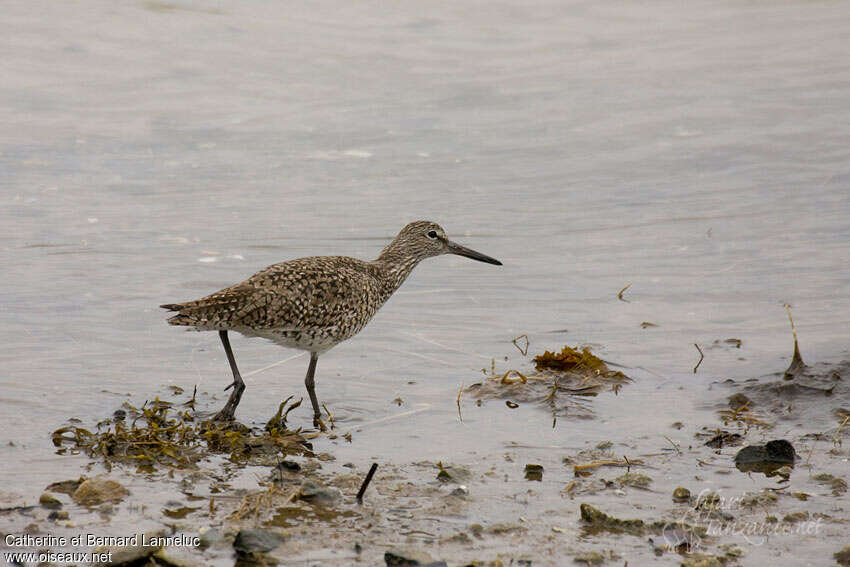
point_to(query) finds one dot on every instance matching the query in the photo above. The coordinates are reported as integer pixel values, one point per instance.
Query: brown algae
(160, 433)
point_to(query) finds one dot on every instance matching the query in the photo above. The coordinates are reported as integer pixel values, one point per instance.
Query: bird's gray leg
(228, 411)
(311, 390)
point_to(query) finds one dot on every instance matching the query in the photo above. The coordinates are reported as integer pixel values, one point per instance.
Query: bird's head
(424, 239)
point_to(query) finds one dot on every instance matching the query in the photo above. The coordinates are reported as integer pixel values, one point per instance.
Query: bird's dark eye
(432, 234)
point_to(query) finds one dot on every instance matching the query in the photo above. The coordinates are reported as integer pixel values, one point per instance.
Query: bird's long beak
(455, 248)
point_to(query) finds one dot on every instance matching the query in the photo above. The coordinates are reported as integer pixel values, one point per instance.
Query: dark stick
(701, 356)
(366, 482)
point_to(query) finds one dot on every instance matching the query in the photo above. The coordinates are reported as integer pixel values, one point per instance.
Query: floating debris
(843, 557)
(724, 439)
(837, 484)
(568, 359)
(534, 472)
(681, 494)
(574, 372)
(456, 474)
(739, 400)
(584, 469)
(704, 560)
(760, 499)
(179, 513)
(590, 558)
(743, 416)
(735, 343)
(598, 521)
(635, 480)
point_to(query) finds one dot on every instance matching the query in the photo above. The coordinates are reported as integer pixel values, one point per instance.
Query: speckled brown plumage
(309, 303)
(317, 302)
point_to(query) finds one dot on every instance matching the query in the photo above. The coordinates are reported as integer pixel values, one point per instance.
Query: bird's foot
(317, 422)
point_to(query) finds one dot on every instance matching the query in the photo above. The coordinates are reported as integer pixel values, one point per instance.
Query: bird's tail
(181, 318)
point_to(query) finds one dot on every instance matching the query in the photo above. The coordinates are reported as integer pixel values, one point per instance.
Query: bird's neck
(393, 267)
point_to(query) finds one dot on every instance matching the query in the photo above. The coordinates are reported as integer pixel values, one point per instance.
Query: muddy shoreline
(268, 495)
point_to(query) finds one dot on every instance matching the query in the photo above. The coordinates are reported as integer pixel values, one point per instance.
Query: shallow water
(154, 152)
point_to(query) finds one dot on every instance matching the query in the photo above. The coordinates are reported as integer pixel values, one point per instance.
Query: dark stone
(289, 466)
(66, 486)
(49, 502)
(96, 491)
(780, 451)
(313, 491)
(461, 492)
(257, 541)
(56, 515)
(410, 558)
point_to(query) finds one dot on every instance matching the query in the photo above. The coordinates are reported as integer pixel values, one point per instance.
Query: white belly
(314, 342)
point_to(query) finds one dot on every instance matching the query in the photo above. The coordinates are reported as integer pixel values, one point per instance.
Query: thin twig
(507, 380)
(191, 403)
(701, 356)
(809, 457)
(554, 390)
(675, 446)
(797, 363)
(793, 329)
(366, 482)
(292, 494)
(577, 469)
(620, 295)
(459, 392)
(835, 439)
(525, 350)
(330, 415)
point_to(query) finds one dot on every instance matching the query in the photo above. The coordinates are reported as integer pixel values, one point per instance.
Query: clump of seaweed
(562, 380)
(569, 359)
(161, 433)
